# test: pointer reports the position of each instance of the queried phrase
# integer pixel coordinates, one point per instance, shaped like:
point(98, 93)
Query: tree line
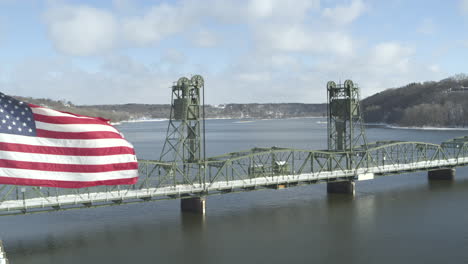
point(439, 104)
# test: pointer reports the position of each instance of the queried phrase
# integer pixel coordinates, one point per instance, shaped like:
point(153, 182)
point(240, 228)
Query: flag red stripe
point(66, 151)
point(67, 120)
point(65, 184)
point(76, 135)
point(78, 168)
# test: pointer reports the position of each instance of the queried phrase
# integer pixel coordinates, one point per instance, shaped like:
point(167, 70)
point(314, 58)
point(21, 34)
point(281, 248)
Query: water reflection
point(334, 229)
point(441, 185)
point(193, 222)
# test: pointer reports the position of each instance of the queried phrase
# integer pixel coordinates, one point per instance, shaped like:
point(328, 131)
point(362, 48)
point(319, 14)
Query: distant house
point(460, 89)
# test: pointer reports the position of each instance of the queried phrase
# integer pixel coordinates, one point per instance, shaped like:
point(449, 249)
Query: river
point(393, 219)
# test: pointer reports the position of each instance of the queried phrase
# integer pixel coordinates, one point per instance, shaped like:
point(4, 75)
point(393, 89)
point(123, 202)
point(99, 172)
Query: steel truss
point(254, 169)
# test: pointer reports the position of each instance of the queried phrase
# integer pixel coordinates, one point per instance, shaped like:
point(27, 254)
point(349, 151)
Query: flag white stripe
point(68, 143)
point(67, 176)
point(50, 112)
point(75, 127)
point(63, 159)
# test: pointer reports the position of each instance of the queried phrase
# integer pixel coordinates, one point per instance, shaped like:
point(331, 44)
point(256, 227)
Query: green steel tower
point(184, 141)
point(345, 124)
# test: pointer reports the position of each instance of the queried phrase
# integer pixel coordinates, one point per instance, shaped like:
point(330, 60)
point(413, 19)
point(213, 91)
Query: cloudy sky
point(121, 51)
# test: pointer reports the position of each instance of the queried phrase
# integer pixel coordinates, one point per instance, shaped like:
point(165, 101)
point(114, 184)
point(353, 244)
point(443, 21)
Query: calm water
point(394, 219)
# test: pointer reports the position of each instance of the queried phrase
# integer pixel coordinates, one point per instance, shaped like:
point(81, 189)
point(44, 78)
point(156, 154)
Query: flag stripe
point(75, 127)
point(90, 143)
point(76, 135)
point(66, 151)
point(66, 176)
point(67, 120)
point(43, 166)
point(61, 159)
point(65, 184)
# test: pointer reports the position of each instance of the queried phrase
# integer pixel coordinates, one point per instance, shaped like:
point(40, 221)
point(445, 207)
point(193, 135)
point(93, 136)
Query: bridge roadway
point(133, 194)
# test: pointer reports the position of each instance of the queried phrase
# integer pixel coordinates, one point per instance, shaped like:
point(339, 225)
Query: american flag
point(44, 147)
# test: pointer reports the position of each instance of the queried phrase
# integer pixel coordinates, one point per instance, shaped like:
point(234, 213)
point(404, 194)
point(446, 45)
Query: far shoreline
point(214, 118)
point(393, 126)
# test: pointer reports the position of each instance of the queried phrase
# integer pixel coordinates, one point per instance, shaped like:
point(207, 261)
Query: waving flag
point(45, 147)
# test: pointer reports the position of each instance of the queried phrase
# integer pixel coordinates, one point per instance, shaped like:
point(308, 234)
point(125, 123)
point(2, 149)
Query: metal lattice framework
point(183, 144)
point(182, 172)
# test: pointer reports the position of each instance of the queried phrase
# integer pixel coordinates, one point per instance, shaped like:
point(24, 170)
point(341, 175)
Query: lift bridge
point(184, 172)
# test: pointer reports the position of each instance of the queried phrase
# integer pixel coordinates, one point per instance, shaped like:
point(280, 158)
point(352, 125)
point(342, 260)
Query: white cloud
point(434, 68)
point(173, 57)
point(255, 77)
point(159, 22)
point(81, 30)
point(124, 5)
point(298, 38)
point(280, 9)
point(285, 38)
point(261, 8)
point(205, 39)
point(391, 54)
point(283, 61)
point(345, 14)
point(84, 30)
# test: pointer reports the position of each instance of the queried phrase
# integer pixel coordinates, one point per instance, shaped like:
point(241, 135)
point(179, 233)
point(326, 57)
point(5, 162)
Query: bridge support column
point(442, 174)
point(3, 258)
point(346, 187)
point(194, 205)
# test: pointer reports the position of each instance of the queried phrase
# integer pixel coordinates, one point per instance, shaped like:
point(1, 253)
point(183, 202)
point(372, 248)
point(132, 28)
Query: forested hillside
point(442, 104)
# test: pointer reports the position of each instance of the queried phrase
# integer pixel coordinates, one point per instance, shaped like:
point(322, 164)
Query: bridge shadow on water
point(295, 225)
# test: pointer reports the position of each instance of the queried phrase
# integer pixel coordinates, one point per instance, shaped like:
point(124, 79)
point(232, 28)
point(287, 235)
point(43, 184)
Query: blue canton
point(16, 117)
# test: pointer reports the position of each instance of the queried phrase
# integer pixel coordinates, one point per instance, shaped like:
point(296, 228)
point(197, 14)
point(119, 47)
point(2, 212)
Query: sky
point(248, 51)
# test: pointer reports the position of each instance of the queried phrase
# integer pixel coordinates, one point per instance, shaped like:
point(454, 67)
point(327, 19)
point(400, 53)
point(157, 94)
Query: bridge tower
point(183, 144)
point(345, 128)
point(184, 147)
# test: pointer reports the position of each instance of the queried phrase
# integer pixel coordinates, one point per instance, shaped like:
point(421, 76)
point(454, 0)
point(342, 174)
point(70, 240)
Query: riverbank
point(391, 126)
point(215, 118)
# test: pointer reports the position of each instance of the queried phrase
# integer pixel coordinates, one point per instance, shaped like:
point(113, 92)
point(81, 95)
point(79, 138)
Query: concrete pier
point(442, 174)
point(345, 187)
point(3, 258)
point(194, 205)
